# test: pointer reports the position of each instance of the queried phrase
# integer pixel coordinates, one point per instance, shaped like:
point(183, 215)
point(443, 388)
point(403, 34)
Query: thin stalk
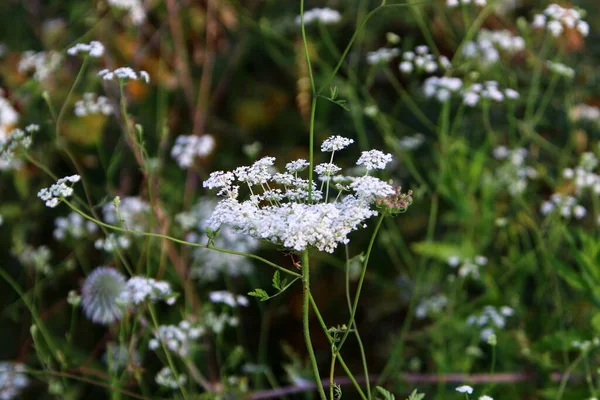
point(305, 323)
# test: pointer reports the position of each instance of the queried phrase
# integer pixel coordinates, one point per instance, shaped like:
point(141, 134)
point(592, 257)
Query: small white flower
point(94, 49)
point(297, 165)
point(464, 389)
point(485, 397)
point(335, 143)
point(325, 16)
point(374, 159)
point(124, 74)
point(187, 148)
point(54, 193)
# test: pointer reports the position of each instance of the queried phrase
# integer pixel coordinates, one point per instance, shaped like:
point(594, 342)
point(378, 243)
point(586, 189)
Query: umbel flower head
point(99, 295)
point(293, 212)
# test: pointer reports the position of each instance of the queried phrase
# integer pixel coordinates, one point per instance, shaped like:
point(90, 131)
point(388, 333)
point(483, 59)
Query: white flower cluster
point(36, 258)
point(14, 140)
point(557, 19)
point(187, 148)
point(12, 380)
point(112, 242)
point(325, 16)
point(490, 319)
point(228, 298)
point(8, 116)
point(421, 60)
point(513, 173)
point(329, 145)
point(581, 112)
point(94, 49)
point(411, 142)
point(208, 265)
point(382, 55)
point(582, 176)
point(134, 7)
point(92, 104)
point(73, 226)
point(468, 267)
point(124, 74)
point(139, 289)
point(566, 205)
point(442, 88)
point(431, 306)
point(133, 213)
point(282, 215)
point(177, 338)
point(487, 90)
point(43, 64)
point(218, 322)
point(585, 345)
point(486, 49)
point(560, 69)
point(118, 357)
point(60, 189)
point(166, 378)
point(456, 3)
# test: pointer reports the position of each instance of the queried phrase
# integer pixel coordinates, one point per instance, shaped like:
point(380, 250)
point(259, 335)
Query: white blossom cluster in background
point(92, 104)
point(560, 69)
point(582, 112)
point(228, 298)
point(488, 90)
point(431, 306)
point(382, 55)
point(12, 380)
point(411, 142)
point(94, 49)
point(124, 74)
point(557, 19)
point(37, 258)
point(14, 140)
point(325, 16)
point(218, 322)
point(187, 148)
point(113, 242)
point(489, 320)
point(280, 212)
point(73, 226)
point(177, 338)
point(487, 48)
point(61, 189)
point(118, 357)
point(582, 176)
point(567, 206)
point(585, 345)
point(456, 3)
point(139, 289)
point(421, 60)
point(468, 267)
point(208, 265)
point(513, 174)
point(136, 11)
point(442, 88)
point(42, 64)
point(166, 378)
point(133, 213)
point(8, 116)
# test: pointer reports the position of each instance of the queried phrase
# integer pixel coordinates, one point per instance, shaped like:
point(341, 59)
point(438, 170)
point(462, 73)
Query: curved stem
point(305, 45)
point(360, 283)
point(180, 241)
point(305, 323)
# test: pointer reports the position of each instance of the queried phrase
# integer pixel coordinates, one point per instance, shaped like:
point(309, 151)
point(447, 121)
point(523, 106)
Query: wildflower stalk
point(535, 80)
point(360, 283)
point(63, 109)
point(339, 356)
point(305, 323)
point(180, 241)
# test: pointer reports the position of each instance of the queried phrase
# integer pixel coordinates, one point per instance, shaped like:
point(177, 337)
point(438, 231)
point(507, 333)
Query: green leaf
point(277, 280)
point(416, 395)
point(386, 395)
point(260, 293)
point(333, 91)
point(343, 104)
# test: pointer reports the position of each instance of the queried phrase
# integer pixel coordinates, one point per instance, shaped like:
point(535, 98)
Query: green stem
point(180, 241)
point(360, 283)
point(63, 109)
point(305, 323)
point(305, 45)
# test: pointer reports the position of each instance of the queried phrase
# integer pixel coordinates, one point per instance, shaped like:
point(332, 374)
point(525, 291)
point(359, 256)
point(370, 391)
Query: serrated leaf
point(260, 293)
point(333, 91)
point(386, 395)
point(416, 395)
point(277, 280)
